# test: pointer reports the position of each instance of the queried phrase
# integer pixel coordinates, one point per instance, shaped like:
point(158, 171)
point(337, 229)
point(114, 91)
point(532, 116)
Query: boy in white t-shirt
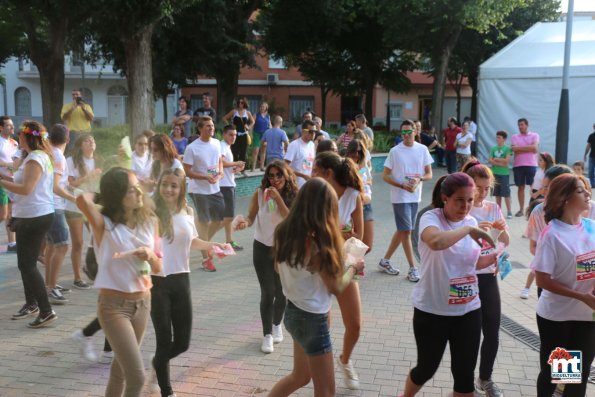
point(301, 152)
point(8, 148)
point(228, 183)
point(407, 165)
point(204, 166)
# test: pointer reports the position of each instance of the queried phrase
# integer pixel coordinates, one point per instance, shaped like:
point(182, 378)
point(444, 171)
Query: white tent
point(524, 79)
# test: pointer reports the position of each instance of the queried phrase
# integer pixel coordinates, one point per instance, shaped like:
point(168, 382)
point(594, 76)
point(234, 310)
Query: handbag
point(249, 138)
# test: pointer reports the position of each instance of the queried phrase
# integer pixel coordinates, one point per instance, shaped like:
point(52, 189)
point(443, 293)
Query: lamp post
point(562, 128)
point(388, 110)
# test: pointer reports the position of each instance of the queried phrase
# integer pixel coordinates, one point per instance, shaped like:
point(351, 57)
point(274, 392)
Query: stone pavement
point(224, 358)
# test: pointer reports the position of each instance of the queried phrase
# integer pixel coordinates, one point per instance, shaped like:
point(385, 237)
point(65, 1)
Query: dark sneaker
point(235, 246)
point(25, 311)
point(80, 284)
point(62, 289)
point(56, 297)
point(43, 320)
point(11, 248)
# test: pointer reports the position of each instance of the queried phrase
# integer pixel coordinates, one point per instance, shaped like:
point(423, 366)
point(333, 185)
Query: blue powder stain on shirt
point(588, 227)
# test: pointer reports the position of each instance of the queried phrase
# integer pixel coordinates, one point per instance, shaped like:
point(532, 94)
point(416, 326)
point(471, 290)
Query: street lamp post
point(563, 126)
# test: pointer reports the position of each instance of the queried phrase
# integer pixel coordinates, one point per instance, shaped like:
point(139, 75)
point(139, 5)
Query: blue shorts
point(309, 330)
point(58, 234)
point(368, 214)
point(524, 175)
point(209, 207)
point(502, 186)
point(229, 198)
point(405, 214)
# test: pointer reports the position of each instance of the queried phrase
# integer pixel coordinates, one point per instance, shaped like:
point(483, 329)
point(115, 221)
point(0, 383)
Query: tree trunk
point(227, 89)
point(440, 78)
point(139, 75)
point(368, 109)
point(472, 78)
point(323, 95)
point(164, 102)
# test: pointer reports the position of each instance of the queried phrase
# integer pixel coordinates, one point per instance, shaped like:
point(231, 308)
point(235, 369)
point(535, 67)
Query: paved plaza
point(224, 358)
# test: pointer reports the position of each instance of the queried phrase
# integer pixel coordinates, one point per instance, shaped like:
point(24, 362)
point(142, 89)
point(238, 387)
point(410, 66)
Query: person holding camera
point(77, 116)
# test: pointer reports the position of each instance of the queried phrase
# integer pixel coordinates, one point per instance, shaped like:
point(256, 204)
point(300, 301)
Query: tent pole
point(562, 128)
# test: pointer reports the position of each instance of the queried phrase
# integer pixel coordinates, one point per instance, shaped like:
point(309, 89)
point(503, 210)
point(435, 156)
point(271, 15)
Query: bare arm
point(388, 178)
point(439, 240)
point(545, 281)
point(85, 203)
point(87, 111)
point(587, 150)
point(357, 217)
point(227, 118)
point(31, 176)
point(59, 191)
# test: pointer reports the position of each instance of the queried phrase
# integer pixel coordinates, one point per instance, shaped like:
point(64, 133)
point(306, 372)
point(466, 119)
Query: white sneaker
point(525, 293)
point(349, 374)
point(277, 333)
point(85, 345)
point(385, 266)
point(413, 275)
point(105, 357)
point(267, 344)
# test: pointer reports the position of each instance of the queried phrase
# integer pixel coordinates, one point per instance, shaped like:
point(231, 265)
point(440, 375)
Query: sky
point(579, 5)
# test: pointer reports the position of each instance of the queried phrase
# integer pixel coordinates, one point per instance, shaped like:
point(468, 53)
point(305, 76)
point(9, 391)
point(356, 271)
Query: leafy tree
point(122, 31)
point(344, 36)
point(436, 26)
point(474, 48)
point(44, 27)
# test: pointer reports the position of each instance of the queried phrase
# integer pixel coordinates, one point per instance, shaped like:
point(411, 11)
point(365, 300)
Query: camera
point(80, 100)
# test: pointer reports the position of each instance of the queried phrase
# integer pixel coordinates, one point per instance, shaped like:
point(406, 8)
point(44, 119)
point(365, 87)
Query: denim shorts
point(58, 234)
point(405, 214)
point(368, 214)
point(309, 330)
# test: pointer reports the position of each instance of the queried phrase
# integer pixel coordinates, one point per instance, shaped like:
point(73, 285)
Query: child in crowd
point(228, 183)
point(499, 159)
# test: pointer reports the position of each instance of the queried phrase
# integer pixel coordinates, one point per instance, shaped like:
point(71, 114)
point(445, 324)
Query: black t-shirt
point(591, 141)
point(206, 112)
point(427, 139)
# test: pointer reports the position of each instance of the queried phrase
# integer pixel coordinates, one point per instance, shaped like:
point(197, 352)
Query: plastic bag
point(354, 250)
point(504, 265)
point(222, 253)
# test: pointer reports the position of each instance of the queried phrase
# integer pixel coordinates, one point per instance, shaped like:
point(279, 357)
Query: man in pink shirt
point(525, 145)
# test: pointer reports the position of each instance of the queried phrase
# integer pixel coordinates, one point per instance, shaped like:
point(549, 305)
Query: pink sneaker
point(208, 266)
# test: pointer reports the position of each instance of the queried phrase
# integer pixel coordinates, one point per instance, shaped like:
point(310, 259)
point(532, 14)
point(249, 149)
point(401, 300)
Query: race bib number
point(462, 290)
point(486, 248)
point(585, 266)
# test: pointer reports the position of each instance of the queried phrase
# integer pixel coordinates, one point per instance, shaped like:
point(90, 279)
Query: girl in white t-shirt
point(165, 157)
point(269, 206)
point(31, 192)
point(171, 304)
point(545, 161)
point(308, 257)
point(344, 177)
point(463, 144)
point(358, 152)
point(124, 234)
point(564, 268)
point(142, 161)
point(488, 216)
point(446, 296)
point(84, 172)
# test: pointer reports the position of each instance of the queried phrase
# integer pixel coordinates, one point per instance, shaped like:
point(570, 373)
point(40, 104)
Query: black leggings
point(238, 149)
point(490, 323)
point(432, 332)
point(30, 232)
point(272, 300)
point(570, 335)
point(171, 312)
point(91, 329)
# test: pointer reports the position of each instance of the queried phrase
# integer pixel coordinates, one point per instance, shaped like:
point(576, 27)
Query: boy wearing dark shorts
point(228, 183)
point(499, 159)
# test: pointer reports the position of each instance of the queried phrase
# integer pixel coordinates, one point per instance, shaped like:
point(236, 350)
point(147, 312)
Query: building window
point(22, 102)
point(254, 103)
point(298, 105)
point(117, 90)
point(276, 63)
point(396, 111)
point(87, 95)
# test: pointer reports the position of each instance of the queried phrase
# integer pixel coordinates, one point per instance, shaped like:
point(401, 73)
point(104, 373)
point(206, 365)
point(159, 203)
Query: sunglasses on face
point(275, 175)
point(406, 132)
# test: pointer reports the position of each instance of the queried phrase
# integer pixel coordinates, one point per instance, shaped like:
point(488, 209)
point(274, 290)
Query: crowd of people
point(176, 192)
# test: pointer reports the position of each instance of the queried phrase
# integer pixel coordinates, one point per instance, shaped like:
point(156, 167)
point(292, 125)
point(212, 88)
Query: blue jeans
point(451, 161)
point(591, 171)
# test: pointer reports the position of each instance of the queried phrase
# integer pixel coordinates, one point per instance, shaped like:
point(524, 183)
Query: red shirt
point(450, 138)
